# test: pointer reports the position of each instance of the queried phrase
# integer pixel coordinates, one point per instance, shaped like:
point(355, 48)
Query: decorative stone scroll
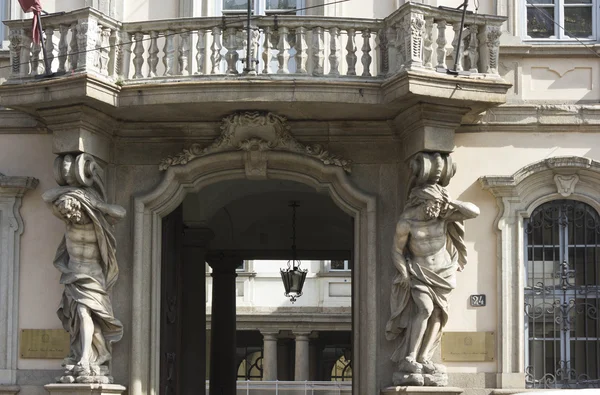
point(86, 257)
point(428, 249)
point(255, 131)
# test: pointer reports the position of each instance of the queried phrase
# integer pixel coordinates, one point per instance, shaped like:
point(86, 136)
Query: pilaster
point(12, 190)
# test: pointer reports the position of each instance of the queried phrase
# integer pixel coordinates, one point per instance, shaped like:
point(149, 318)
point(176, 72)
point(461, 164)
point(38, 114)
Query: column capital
point(302, 336)
point(197, 237)
point(270, 335)
point(222, 262)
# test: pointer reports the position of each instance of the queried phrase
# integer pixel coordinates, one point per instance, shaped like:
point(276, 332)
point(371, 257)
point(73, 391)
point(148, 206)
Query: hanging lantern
point(293, 277)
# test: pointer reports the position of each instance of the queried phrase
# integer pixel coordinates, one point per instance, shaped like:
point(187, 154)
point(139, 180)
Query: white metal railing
point(415, 36)
point(292, 387)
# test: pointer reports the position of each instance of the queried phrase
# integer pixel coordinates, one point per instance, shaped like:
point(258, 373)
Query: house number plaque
point(477, 300)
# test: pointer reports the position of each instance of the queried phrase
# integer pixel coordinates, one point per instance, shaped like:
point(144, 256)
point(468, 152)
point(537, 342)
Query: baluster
point(441, 44)
point(318, 51)
point(284, 51)
point(402, 37)
point(26, 43)
point(124, 55)
point(200, 47)
point(428, 43)
point(231, 57)
point(253, 58)
point(184, 53)
point(169, 53)
point(138, 58)
point(215, 50)
point(153, 54)
point(366, 56)
point(49, 49)
point(35, 58)
point(334, 52)
point(472, 48)
point(351, 57)
point(267, 47)
point(103, 51)
point(73, 48)
point(63, 48)
point(301, 51)
point(457, 57)
point(113, 53)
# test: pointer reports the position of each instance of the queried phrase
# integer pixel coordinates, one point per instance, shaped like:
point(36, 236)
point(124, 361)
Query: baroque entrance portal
point(255, 147)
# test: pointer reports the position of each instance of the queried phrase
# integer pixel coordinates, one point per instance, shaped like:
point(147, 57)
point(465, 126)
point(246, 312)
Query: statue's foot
point(409, 365)
point(82, 369)
point(432, 368)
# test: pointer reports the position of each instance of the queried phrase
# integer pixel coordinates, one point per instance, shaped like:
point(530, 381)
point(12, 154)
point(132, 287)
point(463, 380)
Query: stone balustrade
point(414, 37)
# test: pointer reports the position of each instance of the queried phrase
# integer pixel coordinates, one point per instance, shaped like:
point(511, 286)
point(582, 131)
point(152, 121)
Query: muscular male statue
point(427, 251)
point(86, 259)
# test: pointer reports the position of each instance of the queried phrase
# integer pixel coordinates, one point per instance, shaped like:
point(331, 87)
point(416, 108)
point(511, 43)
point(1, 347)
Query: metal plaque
point(477, 300)
point(44, 343)
point(468, 346)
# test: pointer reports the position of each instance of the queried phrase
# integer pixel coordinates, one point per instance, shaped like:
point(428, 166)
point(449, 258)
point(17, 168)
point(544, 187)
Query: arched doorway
point(204, 171)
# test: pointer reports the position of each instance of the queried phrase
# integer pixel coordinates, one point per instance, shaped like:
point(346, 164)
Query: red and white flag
point(35, 7)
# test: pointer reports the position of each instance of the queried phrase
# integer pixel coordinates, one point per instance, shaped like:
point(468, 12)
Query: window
point(340, 265)
point(250, 368)
point(259, 7)
point(578, 17)
point(562, 294)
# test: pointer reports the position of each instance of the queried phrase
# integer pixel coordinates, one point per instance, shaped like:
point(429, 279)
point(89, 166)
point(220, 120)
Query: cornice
point(16, 186)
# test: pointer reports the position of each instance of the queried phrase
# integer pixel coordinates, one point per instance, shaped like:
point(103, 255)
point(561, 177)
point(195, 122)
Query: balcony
point(194, 68)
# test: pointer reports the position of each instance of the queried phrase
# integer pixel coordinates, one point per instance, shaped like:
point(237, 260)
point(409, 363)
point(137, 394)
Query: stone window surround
point(205, 170)
point(12, 190)
point(517, 196)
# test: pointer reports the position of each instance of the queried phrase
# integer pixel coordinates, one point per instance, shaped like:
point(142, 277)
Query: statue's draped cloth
point(91, 291)
point(437, 285)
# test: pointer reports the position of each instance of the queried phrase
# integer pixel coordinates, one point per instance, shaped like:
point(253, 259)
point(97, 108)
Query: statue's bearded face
point(432, 208)
point(70, 209)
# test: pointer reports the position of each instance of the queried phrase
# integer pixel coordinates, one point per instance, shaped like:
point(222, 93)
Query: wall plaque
point(477, 300)
point(468, 346)
point(44, 343)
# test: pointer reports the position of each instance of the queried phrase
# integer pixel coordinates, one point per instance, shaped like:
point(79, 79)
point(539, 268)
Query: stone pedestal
point(422, 391)
point(9, 389)
point(85, 389)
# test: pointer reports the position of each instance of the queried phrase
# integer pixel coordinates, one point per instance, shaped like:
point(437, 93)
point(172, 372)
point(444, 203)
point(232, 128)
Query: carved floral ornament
point(255, 131)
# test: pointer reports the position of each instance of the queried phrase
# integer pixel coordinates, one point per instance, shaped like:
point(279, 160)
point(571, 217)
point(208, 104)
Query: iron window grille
point(562, 293)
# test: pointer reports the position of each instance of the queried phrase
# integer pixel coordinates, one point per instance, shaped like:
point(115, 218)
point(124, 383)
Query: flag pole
point(47, 67)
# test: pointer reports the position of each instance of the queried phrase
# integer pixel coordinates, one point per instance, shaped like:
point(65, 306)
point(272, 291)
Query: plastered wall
point(39, 289)
point(480, 154)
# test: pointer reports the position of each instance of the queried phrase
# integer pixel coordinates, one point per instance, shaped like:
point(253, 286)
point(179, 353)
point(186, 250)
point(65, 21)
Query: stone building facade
point(205, 154)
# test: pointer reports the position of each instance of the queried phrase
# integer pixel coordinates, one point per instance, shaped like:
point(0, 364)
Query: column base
point(422, 390)
point(85, 389)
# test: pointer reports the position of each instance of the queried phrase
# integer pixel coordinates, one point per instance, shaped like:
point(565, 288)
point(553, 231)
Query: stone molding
point(229, 165)
point(9, 389)
point(255, 132)
point(517, 196)
point(12, 190)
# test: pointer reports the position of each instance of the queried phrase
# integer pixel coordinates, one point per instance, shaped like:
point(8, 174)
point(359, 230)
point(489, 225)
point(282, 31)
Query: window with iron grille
point(251, 368)
point(562, 293)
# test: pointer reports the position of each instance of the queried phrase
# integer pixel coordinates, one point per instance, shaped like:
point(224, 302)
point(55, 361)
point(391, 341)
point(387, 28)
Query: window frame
point(560, 35)
point(260, 8)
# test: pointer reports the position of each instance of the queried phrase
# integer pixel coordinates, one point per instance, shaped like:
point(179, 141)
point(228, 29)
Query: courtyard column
point(223, 369)
point(270, 356)
point(193, 310)
point(302, 357)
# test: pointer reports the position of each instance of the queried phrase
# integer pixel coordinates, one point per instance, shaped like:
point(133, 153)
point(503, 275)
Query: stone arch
point(517, 196)
point(204, 170)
